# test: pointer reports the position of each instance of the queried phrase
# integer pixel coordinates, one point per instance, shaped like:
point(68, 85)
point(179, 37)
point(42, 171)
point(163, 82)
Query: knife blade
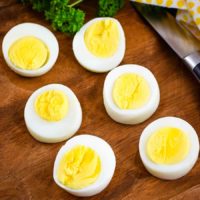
point(184, 44)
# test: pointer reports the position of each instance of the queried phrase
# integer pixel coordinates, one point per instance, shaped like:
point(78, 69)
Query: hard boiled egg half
point(99, 46)
point(84, 166)
point(169, 148)
point(53, 113)
point(30, 49)
point(131, 94)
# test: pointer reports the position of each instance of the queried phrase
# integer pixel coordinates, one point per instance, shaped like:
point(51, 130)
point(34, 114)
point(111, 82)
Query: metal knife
point(186, 46)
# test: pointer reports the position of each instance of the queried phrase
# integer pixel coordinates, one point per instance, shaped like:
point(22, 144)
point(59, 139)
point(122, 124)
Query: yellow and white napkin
point(188, 12)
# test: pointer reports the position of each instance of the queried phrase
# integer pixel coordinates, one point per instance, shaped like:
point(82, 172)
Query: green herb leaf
point(109, 8)
point(65, 19)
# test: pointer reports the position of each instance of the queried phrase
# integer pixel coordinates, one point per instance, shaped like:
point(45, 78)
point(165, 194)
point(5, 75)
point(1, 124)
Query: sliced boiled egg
point(53, 113)
point(30, 49)
point(84, 166)
point(99, 46)
point(169, 148)
point(131, 94)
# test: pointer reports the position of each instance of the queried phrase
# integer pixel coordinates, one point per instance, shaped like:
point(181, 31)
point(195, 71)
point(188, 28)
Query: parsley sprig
point(66, 17)
point(109, 8)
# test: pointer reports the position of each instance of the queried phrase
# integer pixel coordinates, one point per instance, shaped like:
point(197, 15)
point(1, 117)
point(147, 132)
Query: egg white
point(130, 116)
point(92, 62)
point(173, 171)
point(108, 163)
point(38, 31)
point(51, 132)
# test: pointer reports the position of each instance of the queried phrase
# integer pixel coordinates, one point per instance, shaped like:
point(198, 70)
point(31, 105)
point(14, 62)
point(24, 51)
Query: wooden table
point(26, 165)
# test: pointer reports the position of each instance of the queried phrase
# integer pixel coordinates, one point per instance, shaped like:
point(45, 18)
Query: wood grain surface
point(26, 165)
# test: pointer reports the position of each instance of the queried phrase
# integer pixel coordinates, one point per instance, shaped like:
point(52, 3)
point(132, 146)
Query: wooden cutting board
point(26, 165)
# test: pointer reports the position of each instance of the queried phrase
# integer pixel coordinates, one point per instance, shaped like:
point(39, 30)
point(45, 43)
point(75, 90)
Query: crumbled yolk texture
point(168, 145)
point(130, 91)
point(52, 105)
point(79, 167)
point(102, 38)
point(28, 53)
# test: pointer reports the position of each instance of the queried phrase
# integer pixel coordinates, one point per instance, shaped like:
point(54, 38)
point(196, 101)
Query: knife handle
point(193, 63)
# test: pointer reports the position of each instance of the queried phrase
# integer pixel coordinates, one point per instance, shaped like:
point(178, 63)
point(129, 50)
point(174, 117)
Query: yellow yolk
point(130, 91)
point(79, 167)
point(28, 53)
point(52, 105)
point(102, 38)
point(168, 146)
